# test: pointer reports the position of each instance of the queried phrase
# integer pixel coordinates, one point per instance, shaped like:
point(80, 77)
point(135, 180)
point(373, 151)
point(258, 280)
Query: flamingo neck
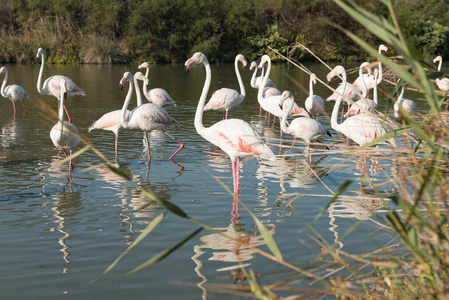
point(61, 109)
point(310, 88)
point(375, 94)
point(365, 90)
point(2, 91)
point(145, 84)
point(440, 64)
point(138, 94)
point(401, 95)
point(380, 75)
point(264, 80)
point(129, 95)
point(253, 78)
point(239, 78)
point(199, 110)
point(284, 126)
point(334, 122)
point(41, 72)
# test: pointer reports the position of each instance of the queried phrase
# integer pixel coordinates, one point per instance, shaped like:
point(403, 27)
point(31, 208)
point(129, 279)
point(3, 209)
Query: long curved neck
point(41, 72)
point(440, 64)
point(380, 75)
point(129, 95)
point(264, 80)
point(61, 110)
point(199, 109)
point(365, 91)
point(284, 126)
point(310, 88)
point(2, 91)
point(253, 78)
point(239, 78)
point(145, 85)
point(375, 94)
point(138, 94)
point(334, 122)
point(401, 95)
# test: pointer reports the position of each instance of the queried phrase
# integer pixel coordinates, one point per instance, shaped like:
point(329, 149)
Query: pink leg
point(71, 166)
point(237, 177)
point(116, 148)
point(68, 116)
point(179, 142)
point(226, 114)
point(148, 144)
point(23, 104)
point(14, 106)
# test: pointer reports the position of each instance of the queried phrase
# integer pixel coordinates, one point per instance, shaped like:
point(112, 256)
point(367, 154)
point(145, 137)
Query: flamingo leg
point(23, 104)
point(116, 148)
point(178, 141)
point(68, 116)
point(237, 177)
point(14, 106)
point(226, 114)
point(71, 166)
point(148, 144)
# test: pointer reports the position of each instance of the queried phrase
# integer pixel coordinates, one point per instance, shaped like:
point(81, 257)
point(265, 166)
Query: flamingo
point(64, 135)
point(234, 136)
point(13, 92)
point(51, 85)
point(314, 104)
point(406, 104)
point(224, 98)
point(156, 95)
point(442, 83)
point(256, 81)
point(367, 82)
point(362, 128)
point(271, 104)
point(365, 105)
point(111, 120)
point(146, 117)
point(304, 128)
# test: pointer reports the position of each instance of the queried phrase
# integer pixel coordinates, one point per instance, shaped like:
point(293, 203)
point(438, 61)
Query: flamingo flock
point(235, 137)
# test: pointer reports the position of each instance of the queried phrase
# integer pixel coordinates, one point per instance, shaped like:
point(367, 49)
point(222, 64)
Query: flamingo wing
point(223, 99)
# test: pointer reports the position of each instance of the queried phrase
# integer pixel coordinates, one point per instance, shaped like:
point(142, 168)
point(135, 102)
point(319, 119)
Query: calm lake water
point(58, 236)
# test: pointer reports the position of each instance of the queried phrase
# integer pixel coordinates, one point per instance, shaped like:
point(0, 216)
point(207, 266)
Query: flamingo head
point(2, 70)
point(264, 60)
point(127, 76)
point(313, 78)
point(366, 66)
point(438, 58)
point(140, 76)
point(241, 58)
point(253, 65)
point(285, 95)
point(40, 52)
point(196, 59)
point(338, 70)
point(143, 65)
point(382, 47)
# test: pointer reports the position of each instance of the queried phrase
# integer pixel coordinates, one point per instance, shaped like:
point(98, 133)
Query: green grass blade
point(161, 255)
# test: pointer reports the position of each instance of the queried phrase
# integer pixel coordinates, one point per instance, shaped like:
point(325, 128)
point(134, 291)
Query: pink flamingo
point(365, 105)
point(304, 128)
point(145, 117)
point(256, 81)
point(64, 135)
point(406, 104)
point(13, 92)
point(314, 104)
point(271, 104)
point(111, 120)
point(156, 95)
point(442, 83)
point(234, 136)
point(362, 128)
point(366, 82)
point(224, 99)
point(51, 85)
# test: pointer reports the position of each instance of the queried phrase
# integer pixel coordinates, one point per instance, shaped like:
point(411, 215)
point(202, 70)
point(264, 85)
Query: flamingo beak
point(121, 86)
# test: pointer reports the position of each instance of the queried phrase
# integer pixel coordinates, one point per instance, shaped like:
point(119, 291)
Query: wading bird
point(13, 92)
point(314, 104)
point(156, 95)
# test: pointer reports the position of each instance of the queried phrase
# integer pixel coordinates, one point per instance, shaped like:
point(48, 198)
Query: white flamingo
point(365, 105)
point(146, 117)
point(51, 85)
point(234, 136)
point(256, 81)
point(361, 128)
point(367, 83)
point(271, 104)
point(225, 98)
point(13, 92)
point(442, 83)
point(306, 129)
point(64, 135)
point(406, 104)
point(111, 120)
point(314, 104)
point(156, 95)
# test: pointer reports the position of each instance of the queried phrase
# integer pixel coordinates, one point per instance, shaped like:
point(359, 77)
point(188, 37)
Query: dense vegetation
point(119, 31)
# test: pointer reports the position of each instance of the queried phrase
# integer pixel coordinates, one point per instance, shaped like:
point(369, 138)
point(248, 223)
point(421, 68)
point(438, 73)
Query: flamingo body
point(157, 96)
point(442, 83)
point(257, 81)
point(13, 92)
point(234, 136)
point(407, 104)
point(314, 104)
point(224, 99)
point(366, 82)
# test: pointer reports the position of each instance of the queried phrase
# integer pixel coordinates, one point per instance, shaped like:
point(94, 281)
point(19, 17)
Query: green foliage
point(269, 38)
point(431, 38)
point(60, 58)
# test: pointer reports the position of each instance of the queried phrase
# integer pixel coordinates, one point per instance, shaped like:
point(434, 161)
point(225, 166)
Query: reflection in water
point(227, 247)
point(66, 202)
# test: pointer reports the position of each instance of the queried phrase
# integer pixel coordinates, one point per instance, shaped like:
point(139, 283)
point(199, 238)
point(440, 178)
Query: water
point(57, 236)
